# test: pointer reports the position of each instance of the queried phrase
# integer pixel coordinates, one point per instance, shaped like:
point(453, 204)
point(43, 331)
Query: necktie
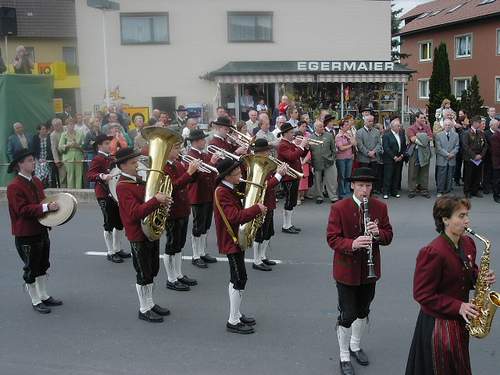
point(448, 136)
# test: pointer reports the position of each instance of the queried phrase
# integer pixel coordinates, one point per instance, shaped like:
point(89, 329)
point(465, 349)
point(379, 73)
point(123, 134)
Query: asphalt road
point(97, 330)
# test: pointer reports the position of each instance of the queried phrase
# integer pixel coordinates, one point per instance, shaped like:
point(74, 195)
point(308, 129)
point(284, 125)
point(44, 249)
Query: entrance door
point(257, 91)
point(164, 104)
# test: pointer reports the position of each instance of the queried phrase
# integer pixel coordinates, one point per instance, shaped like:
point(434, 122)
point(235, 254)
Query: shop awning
point(310, 71)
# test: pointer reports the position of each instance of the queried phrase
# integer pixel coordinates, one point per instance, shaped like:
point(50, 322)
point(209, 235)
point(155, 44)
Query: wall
point(319, 29)
point(485, 63)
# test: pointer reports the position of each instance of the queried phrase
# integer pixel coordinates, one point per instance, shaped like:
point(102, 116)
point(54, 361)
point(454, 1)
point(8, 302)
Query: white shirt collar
point(228, 184)
point(195, 149)
point(220, 137)
point(356, 200)
point(170, 162)
point(29, 178)
point(129, 176)
point(103, 153)
point(396, 134)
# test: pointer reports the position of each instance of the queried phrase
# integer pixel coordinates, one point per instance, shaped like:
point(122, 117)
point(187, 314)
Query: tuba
point(161, 140)
point(258, 167)
point(485, 300)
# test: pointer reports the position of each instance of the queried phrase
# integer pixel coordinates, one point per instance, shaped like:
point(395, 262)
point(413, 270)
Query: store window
point(423, 89)
point(69, 57)
point(250, 26)
point(497, 90)
point(461, 84)
point(463, 46)
point(425, 51)
point(144, 28)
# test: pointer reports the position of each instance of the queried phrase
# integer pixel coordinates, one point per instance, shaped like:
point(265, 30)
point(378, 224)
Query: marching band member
point(266, 231)
point(145, 254)
point(445, 272)
point(229, 214)
point(345, 235)
point(178, 219)
point(222, 127)
point(201, 193)
point(290, 153)
point(24, 195)
point(99, 173)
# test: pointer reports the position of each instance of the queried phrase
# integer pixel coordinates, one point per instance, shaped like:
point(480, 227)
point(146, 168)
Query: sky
point(408, 4)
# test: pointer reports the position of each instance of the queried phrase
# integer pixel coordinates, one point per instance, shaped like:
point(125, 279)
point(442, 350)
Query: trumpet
point(204, 167)
point(291, 172)
point(239, 138)
point(316, 142)
point(221, 153)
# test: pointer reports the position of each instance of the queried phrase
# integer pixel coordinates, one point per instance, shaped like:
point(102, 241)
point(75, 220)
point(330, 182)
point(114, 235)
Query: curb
point(81, 195)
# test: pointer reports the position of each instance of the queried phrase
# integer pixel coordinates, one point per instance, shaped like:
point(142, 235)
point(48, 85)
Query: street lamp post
point(104, 5)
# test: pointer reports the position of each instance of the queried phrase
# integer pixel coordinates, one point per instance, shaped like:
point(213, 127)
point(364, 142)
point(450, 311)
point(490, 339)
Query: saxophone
point(258, 167)
point(161, 140)
point(485, 300)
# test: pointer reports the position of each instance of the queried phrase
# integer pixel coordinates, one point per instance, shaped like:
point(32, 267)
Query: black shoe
point(249, 321)
point(346, 368)
point(290, 230)
point(360, 356)
point(199, 263)
point(268, 262)
point(240, 328)
point(115, 258)
point(319, 201)
point(187, 281)
point(497, 199)
point(479, 194)
point(486, 191)
point(150, 316)
point(426, 194)
point(411, 195)
point(51, 301)
point(296, 228)
point(178, 286)
point(160, 310)
point(41, 308)
point(208, 258)
point(123, 254)
point(261, 267)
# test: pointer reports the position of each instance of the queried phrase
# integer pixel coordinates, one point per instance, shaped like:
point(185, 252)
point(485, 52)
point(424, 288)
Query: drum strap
point(224, 219)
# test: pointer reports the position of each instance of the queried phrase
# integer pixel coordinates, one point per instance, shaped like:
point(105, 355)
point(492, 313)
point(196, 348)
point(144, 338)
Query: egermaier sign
point(345, 66)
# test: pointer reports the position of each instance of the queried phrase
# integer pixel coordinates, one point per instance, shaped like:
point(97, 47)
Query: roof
point(442, 13)
point(44, 19)
point(290, 67)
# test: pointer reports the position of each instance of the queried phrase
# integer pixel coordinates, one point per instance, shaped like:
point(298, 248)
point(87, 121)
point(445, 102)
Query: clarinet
point(366, 220)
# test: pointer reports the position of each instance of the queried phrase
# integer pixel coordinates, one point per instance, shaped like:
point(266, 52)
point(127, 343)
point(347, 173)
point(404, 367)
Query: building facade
point(163, 54)
point(471, 32)
point(48, 32)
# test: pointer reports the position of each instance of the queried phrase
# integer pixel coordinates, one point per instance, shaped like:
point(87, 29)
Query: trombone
point(221, 153)
point(291, 172)
point(204, 167)
point(316, 142)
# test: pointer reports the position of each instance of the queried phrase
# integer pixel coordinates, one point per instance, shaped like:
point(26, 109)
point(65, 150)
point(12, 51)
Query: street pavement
point(97, 331)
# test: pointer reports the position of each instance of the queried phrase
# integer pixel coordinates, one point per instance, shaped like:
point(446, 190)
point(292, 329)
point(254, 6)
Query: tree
point(396, 55)
point(439, 83)
point(471, 100)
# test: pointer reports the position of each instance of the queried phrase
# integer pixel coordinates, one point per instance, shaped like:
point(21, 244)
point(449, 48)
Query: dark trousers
point(202, 218)
point(291, 190)
point(146, 259)
point(377, 171)
point(458, 167)
point(34, 252)
point(392, 177)
point(175, 233)
point(237, 270)
point(472, 177)
point(354, 302)
point(111, 214)
point(266, 231)
point(496, 183)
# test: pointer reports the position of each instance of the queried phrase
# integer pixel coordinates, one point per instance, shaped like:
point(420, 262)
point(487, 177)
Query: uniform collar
point(128, 176)
point(356, 200)
point(220, 137)
point(228, 184)
point(195, 149)
point(103, 153)
point(29, 178)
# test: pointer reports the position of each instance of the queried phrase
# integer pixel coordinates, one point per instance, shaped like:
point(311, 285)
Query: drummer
point(25, 195)
point(99, 172)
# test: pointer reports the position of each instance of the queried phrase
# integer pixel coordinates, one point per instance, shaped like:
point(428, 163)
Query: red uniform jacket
point(230, 204)
point(290, 153)
point(201, 190)
point(441, 282)
point(133, 208)
point(270, 197)
point(229, 147)
point(345, 224)
point(100, 164)
point(24, 199)
point(180, 178)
